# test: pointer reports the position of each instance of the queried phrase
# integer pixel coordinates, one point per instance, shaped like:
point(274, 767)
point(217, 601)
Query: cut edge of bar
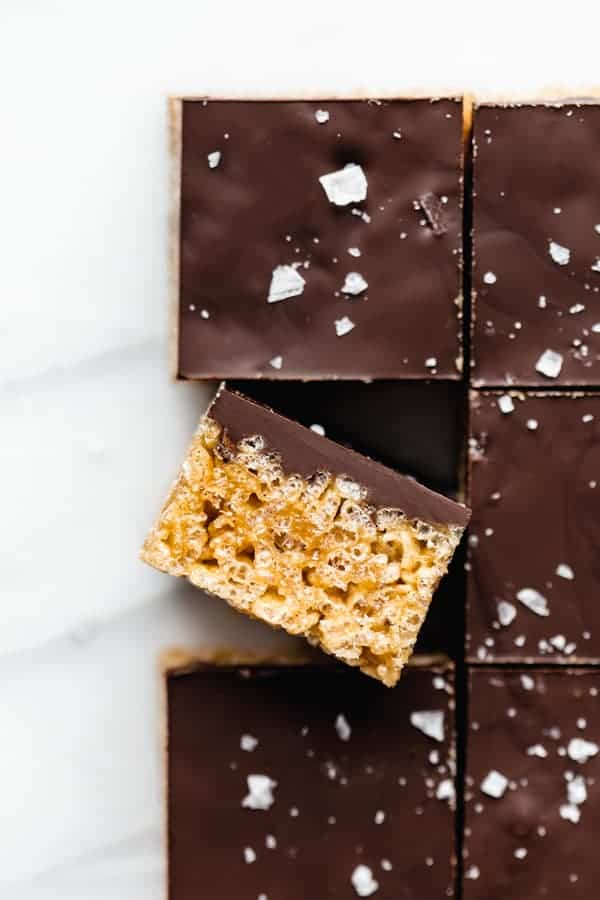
point(175, 138)
point(175, 661)
point(314, 96)
point(551, 95)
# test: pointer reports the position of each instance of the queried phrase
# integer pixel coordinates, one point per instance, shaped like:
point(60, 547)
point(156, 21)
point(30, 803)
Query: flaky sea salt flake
point(445, 790)
point(537, 750)
point(570, 813)
point(342, 727)
point(494, 784)
point(489, 278)
point(347, 185)
point(363, 882)
point(581, 750)
point(214, 159)
point(322, 116)
point(561, 255)
point(286, 282)
point(505, 404)
point(344, 326)
point(276, 362)
point(577, 791)
point(354, 284)
point(506, 612)
point(260, 792)
point(534, 601)
point(248, 742)
point(549, 364)
point(430, 722)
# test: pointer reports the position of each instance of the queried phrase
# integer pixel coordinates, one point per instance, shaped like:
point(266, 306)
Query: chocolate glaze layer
point(343, 798)
point(524, 844)
point(415, 427)
point(535, 494)
point(304, 452)
point(262, 206)
point(536, 180)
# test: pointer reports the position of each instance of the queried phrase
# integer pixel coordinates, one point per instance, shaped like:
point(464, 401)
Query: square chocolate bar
point(533, 785)
point(536, 243)
point(306, 535)
point(534, 545)
point(318, 240)
point(295, 781)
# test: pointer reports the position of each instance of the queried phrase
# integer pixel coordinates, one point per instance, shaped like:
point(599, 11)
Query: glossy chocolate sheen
point(539, 838)
point(536, 181)
point(343, 798)
point(305, 452)
point(263, 206)
point(535, 494)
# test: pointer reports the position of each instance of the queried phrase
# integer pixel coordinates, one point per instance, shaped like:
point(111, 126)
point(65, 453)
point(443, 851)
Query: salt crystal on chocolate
point(430, 722)
point(354, 284)
point(344, 326)
point(534, 601)
point(260, 792)
point(561, 255)
point(363, 882)
point(347, 185)
point(549, 364)
point(286, 282)
point(342, 728)
point(494, 784)
point(506, 612)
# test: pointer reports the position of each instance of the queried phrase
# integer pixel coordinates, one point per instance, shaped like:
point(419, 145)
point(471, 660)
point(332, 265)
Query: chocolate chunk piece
point(317, 246)
point(306, 535)
point(290, 781)
point(533, 784)
point(536, 241)
point(534, 543)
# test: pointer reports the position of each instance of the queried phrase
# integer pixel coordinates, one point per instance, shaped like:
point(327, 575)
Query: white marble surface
point(92, 431)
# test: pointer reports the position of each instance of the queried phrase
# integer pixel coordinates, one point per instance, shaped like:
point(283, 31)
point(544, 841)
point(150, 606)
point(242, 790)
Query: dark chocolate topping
point(350, 792)
point(536, 237)
point(415, 427)
point(304, 452)
point(535, 495)
point(263, 206)
point(535, 835)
